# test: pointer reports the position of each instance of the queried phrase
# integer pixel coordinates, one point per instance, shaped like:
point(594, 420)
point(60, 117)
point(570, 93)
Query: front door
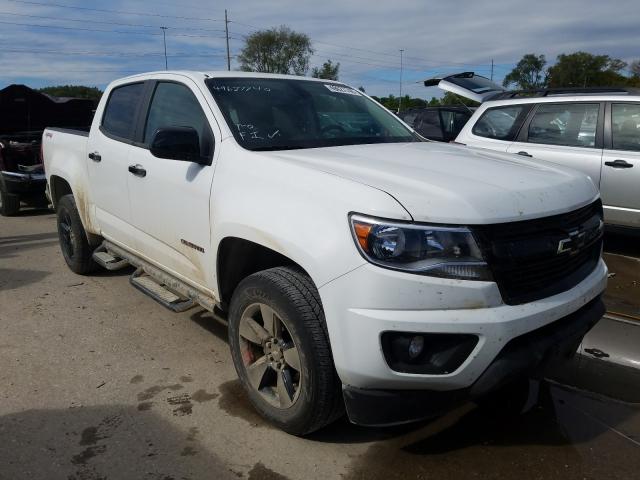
point(620, 185)
point(170, 199)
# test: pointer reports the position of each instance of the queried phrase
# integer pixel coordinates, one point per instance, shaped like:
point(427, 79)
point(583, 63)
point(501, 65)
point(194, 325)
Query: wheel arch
point(59, 187)
point(237, 258)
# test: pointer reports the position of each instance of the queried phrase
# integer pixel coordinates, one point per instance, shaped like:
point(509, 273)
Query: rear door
point(566, 133)
point(620, 184)
point(468, 85)
point(170, 200)
point(108, 149)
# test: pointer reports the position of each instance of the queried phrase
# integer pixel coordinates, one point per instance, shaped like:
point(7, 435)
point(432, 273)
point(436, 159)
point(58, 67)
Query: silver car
point(596, 131)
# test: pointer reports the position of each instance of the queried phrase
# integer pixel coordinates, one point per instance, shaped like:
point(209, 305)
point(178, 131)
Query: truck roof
point(200, 75)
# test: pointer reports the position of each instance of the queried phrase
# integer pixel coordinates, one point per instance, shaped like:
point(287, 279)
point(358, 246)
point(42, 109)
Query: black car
point(437, 123)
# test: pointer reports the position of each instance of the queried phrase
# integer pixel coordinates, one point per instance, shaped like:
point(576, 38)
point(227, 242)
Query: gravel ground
point(100, 382)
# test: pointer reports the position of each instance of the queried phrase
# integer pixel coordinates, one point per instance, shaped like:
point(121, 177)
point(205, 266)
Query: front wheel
point(281, 351)
point(75, 247)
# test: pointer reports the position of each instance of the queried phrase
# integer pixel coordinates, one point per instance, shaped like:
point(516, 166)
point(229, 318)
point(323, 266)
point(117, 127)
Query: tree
point(361, 88)
point(582, 69)
point(277, 50)
point(635, 68)
point(328, 71)
point(529, 73)
point(76, 91)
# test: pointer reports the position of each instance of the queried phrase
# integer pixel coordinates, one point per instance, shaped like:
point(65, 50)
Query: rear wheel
point(281, 351)
point(9, 203)
point(75, 248)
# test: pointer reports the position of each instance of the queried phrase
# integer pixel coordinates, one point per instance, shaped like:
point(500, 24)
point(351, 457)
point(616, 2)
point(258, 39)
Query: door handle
point(525, 154)
point(95, 156)
point(619, 164)
point(138, 170)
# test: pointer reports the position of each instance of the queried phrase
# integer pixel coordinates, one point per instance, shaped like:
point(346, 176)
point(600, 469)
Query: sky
point(91, 42)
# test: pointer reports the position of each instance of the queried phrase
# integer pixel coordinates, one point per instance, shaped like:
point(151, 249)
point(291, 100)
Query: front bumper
point(19, 183)
point(369, 300)
point(532, 354)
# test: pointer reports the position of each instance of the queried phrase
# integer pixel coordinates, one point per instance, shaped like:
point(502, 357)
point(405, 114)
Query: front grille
point(535, 259)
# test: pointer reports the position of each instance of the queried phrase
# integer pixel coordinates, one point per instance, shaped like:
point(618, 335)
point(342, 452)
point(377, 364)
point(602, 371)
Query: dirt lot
point(100, 382)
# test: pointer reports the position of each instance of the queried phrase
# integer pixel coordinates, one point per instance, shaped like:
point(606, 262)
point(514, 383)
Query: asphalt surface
point(98, 381)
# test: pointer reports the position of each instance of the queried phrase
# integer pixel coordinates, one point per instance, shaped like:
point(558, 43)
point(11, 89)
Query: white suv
point(596, 131)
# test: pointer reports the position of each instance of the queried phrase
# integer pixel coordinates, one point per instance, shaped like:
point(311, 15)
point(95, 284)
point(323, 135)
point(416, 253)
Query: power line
point(102, 22)
point(125, 32)
point(103, 10)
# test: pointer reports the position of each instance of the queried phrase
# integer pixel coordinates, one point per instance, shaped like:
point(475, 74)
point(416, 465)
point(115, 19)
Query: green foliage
point(328, 71)
point(529, 73)
point(634, 67)
point(582, 69)
point(392, 102)
point(277, 50)
point(76, 91)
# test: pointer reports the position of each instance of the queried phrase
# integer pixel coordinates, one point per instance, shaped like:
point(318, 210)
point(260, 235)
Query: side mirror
point(177, 143)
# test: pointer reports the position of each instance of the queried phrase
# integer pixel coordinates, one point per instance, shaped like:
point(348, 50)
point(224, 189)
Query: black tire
point(76, 250)
point(294, 297)
point(507, 401)
point(9, 203)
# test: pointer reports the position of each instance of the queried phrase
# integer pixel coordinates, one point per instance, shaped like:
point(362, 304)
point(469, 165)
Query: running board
point(165, 281)
point(107, 260)
point(159, 292)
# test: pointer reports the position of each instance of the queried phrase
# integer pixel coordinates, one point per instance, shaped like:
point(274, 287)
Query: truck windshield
point(284, 114)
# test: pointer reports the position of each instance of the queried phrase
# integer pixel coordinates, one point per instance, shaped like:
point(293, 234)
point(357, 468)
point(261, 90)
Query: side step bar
point(163, 287)
point(108, 261)
point(160, 293)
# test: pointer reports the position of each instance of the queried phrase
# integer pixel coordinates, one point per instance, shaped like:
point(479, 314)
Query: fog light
point(426, 353)
point(416, 346)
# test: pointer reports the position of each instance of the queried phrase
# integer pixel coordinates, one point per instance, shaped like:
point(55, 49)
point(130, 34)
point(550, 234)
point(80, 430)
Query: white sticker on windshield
point(340, 89)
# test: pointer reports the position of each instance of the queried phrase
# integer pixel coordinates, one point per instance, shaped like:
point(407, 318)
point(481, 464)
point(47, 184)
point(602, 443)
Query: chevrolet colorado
point(357, 265)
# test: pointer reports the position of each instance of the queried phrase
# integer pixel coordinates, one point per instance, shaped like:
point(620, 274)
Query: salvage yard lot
point(99, 381)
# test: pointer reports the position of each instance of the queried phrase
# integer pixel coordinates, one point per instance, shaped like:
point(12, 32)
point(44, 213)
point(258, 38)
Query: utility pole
point(492, 69)
point(400, 99)
point(164, 39)
point(226, 28)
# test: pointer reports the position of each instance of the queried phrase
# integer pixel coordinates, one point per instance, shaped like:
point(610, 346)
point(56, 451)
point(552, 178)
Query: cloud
point(364, 36)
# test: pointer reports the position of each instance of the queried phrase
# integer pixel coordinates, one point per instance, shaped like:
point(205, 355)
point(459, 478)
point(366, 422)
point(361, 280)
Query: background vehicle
point(442, 124)
point(24, 114)
point(357, 265)
point(596, 131)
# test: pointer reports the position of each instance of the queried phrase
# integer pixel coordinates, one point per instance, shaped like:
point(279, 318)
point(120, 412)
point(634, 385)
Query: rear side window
point(120, 113)
point(625, 126)
point(428, 125)
point(567, 124)
point(453, 122)
point(501, 123)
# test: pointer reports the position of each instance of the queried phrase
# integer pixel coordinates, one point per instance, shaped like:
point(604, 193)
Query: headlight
point(449, 252)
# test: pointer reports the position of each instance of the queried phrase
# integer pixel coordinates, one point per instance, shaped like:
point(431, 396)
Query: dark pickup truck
point(24, 114)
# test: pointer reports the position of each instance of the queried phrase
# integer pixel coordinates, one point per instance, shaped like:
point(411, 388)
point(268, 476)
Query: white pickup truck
point(357, 265)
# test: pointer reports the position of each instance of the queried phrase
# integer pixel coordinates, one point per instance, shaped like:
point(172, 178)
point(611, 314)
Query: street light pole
point(226, 28)
point(164, 39)
point(400, 99)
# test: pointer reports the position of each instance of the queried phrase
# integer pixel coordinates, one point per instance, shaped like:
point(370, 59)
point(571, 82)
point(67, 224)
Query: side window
point(409, 117)
point(428, 124)
point(501, 123)
point(625, 126)
point(174, 105)
point(453, 121)
point(568, 124)
point(120, 113)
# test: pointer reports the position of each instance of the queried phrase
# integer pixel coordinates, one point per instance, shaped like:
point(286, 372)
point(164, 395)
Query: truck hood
point(443, 183)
